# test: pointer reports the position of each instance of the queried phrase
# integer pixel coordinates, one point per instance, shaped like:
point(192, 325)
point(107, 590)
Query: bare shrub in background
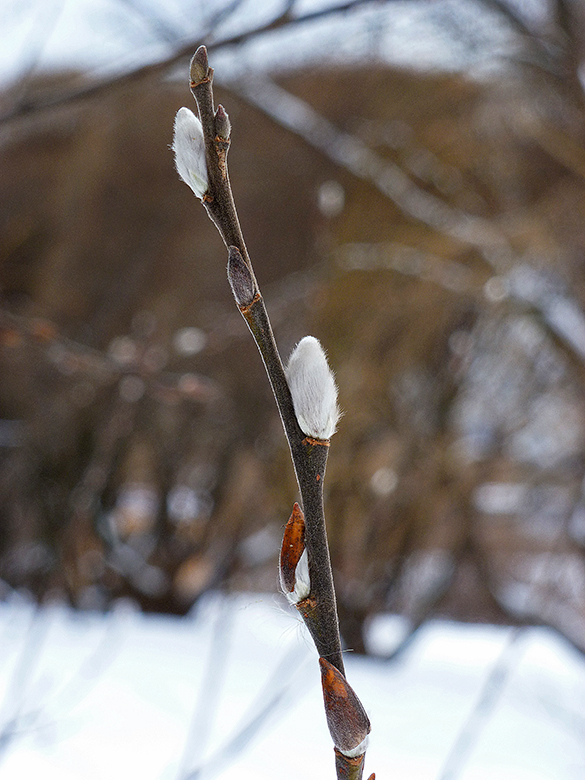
point(434, 244)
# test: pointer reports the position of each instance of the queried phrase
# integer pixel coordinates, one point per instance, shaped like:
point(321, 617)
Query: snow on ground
point(234, 692)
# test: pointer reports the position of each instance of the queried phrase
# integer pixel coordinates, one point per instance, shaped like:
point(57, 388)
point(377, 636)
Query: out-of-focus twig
point(490, 693)
point(351, 153)
point(156, 69)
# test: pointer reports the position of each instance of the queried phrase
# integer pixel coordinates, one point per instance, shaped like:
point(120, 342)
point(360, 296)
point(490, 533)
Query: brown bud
point(223, 126)
point(199, 67)
point(347, 720)
point(240, 278)
point(293, 546)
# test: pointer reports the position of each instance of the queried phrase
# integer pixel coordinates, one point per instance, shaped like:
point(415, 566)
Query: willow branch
point(306, 397)
point(309, 455)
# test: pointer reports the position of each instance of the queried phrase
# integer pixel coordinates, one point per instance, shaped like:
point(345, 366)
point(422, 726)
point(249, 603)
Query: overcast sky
point(112, 35)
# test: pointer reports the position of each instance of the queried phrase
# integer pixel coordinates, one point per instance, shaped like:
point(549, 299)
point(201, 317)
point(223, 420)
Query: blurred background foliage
point(427, 226)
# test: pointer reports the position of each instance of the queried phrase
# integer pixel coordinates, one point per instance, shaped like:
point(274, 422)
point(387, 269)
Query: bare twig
point(152, 70)
point(14, 702)
point(213, 680)
point(73, 691)
point(279, 689)
point(158, 25)
point(490, 693)
point(351, 153)
point(309, 455)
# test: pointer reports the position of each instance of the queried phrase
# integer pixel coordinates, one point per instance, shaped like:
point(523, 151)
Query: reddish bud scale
point(348, 722)
point(293, 546)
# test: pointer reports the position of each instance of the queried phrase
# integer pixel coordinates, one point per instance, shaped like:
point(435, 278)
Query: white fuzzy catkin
point(189, 148)
point(313, 389)
point(302, 586)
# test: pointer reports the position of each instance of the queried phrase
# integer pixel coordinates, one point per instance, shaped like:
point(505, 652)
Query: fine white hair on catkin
point(358, 750)
point(313, 389)
point(302, 586)
point(189, 148)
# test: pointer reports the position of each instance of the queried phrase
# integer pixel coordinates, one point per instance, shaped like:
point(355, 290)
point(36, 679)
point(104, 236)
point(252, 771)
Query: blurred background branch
point(429, 231)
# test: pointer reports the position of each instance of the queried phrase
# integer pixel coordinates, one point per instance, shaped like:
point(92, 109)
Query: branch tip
point(199, 67)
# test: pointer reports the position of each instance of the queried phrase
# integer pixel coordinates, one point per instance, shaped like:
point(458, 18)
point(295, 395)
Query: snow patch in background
point(234, 690)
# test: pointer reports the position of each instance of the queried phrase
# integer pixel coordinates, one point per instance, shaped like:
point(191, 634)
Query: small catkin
point(189, 148)
point(313, 389)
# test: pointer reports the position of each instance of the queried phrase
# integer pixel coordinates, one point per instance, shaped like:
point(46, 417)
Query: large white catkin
point(189, 148)
point(313, 389)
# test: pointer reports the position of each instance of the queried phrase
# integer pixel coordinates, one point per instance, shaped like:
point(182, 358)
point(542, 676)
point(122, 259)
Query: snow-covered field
point(233, 691)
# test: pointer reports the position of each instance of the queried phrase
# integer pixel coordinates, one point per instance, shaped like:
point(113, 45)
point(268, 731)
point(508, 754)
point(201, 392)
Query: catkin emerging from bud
point(313, 389)
point(294, 563)
point(189, 149)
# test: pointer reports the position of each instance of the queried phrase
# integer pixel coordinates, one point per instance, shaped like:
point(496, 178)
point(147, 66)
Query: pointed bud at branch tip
point(223, 126)
point(294, 565)
point(199, 67)
point(348, 722)
point(240, 278)
point(313, 389)
point(189, 148)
